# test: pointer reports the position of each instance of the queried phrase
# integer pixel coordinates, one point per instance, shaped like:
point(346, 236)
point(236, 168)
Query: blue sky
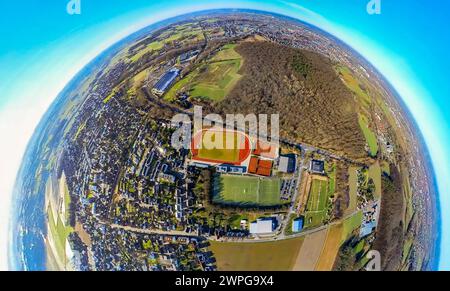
point(42, 48)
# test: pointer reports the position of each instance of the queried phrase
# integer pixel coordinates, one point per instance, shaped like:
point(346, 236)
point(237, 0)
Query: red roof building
point(265, 164)
point(253, 166)
point(264, 172)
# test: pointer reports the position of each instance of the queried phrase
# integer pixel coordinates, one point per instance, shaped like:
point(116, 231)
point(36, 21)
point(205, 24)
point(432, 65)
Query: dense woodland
point(389, 242)
point(314, 105)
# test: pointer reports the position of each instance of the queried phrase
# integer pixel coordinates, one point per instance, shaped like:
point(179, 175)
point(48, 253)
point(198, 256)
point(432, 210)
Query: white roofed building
point(262, 226)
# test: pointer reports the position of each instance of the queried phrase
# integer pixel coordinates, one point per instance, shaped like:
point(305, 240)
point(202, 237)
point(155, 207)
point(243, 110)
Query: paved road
point(277, 237)
point(296, 235)
point(149, 231)
point(292, 208)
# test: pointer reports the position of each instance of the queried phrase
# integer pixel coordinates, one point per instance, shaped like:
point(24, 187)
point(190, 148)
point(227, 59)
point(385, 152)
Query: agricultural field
point(179, 33)
point(264, 256)
point(331, 248)
point(59, 233)
point(242, 190)
point(407, 193)
point(312, 248)
point(58, 228)
point(316, 208)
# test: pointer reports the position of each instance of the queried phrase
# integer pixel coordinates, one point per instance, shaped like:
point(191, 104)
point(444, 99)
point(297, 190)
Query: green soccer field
point(318, 196)
point(251, 191)
point(224, 154)
point(316, 209)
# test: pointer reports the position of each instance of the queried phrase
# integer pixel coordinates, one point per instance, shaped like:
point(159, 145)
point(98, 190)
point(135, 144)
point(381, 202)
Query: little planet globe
point(342, 178)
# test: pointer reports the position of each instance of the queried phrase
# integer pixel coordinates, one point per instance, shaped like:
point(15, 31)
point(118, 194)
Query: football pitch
point(225, 152)
point(218, 146)
point(227, 155)
point(251, 191)
point(316, 209)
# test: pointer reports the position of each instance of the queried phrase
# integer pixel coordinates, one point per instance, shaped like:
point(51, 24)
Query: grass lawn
point(316, 208)
point(313, 219)
point(180, 86)
point(216, 79)
point(243, 190)
point(318, 196)
point(212, 80)
point(219, 145)
point(235, 219)
point(228, 155)
point(375, 174)
point(408, 199)
point(154, 46)
point(354, 85)
point(385, 167)
point(58, 232)
point(351, 224)
point(267, 256)
point(227, 53)
point(369, 135)
point(353, 188)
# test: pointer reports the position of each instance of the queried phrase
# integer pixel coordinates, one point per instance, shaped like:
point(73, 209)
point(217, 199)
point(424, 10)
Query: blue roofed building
point(165, 82)
point(297, 224)
point(367, 228)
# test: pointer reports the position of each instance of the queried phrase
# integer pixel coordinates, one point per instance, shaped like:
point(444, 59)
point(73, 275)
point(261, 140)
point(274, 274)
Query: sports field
point(353, 189)
point(316, 209)
point(242, 190)
point(214, 79)
point(220, 146)
point(318, 195)
point(227, 146)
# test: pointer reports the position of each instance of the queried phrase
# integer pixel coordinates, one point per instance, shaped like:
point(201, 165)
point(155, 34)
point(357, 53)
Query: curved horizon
point(401, 84)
